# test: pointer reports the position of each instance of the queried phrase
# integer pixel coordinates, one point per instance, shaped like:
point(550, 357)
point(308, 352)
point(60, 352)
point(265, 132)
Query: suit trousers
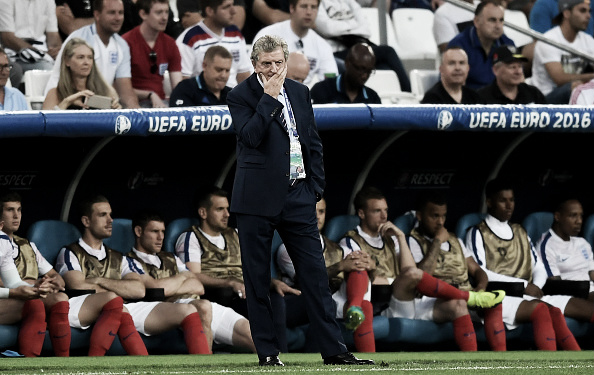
point(297, 226)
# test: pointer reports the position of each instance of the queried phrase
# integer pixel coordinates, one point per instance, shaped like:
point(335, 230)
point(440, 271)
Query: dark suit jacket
point(262, 174)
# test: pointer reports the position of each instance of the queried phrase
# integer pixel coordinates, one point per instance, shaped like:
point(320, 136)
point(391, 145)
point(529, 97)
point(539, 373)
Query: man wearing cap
point(481, 40)
point(509, 86)
point(554, 71)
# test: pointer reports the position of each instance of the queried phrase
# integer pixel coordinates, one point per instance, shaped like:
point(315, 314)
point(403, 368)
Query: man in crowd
point(349, 87)
point(152, 54)
point(29, 33)
point(112, 54)
point(11, 99)
point(211, 251)
point(556, 72)
point(393, 268)
point(509, 86)
point(451, 87)
point(216, 28)
point(297, 67)
point(188, 12)
point(480, 41)
point(504, 251)
point(567, 256)
point(442, 254)
point(300, 36)
point(165, 270)
point(449, 20)
point(208, 88)
point(89, 264)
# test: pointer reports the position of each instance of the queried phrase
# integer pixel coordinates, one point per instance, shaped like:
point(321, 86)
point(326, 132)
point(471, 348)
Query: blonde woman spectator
point(79, 79)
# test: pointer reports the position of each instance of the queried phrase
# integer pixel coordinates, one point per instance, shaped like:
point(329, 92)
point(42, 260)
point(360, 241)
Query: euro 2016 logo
point(444, 120)
point(122, 125)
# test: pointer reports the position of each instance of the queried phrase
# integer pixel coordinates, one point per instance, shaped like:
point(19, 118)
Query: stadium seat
point(467, 221)
point(339, 225)
point(174, 229)
point(406, 222)
point(518, 18)
point(421, 80)
point(387, 86)
point(122, 238)
point(413, 28)
point(51, 236)
point(536, 224)
point(588, 229)
point(35, 81)
point(167, 84)
point(371, 14)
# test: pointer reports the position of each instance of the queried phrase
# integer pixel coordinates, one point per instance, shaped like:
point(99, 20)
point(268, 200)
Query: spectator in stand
point(133, 19)
point(112, 55)
point(11, 99)
point(297, 67)
point(72, 15)
point(216, 28)
point(29, 33)
point(566, 255)
point(509, 86)
point(349, 87)
point(451, 89)
point(300, 36)
point(505, 252)
point(583, 94)
point(449, 20)
point(544, 12)
point(342, 24)
point(210, 87)
point(481, 40)
point(152, 54)
point(556, 72)
point(79, 79)
point(188, 12)
point(262, 13)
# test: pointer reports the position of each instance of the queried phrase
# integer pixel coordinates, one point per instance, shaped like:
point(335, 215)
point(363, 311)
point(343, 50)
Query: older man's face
point(4, 69)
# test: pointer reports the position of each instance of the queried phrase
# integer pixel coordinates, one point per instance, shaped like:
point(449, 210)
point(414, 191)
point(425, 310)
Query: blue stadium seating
point(51, 236)
point(174, 229)
point(467, 221)
point(588, 229)
point(406, 222)
point(339, 225)
point(536, 224)
point(122, 238)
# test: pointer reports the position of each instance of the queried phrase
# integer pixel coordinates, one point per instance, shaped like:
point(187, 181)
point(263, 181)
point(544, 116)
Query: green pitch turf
point(478, 363)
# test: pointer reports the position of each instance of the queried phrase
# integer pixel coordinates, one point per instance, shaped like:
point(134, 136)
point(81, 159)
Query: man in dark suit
point(279, 178)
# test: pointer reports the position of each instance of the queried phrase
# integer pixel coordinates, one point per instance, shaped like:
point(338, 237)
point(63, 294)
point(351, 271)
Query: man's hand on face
point(274, 84)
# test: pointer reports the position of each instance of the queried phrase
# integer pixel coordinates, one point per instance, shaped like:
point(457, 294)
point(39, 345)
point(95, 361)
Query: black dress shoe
point(270, 361)
point(347, 358)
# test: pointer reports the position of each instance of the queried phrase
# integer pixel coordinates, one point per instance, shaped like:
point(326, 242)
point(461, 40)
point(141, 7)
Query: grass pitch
point(428, 363)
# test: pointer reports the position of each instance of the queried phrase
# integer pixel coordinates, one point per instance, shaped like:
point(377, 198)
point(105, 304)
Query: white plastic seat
point(167, 84)
point(35, 81)
point(413, 28)
point(422, 80)
point(387, 86)
point(371, 14)
point(518, 18)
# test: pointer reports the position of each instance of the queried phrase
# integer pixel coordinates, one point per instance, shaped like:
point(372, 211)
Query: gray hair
point(269, 43)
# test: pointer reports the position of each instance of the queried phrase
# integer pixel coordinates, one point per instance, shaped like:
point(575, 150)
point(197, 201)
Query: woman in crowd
point(79, 80)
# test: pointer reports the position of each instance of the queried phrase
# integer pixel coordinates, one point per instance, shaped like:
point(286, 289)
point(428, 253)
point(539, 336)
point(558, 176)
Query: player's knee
point(411, 274)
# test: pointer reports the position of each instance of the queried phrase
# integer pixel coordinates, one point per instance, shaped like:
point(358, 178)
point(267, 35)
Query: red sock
point(544, 334)
point(194, 336)
point(357, 284)
point(433, 287)
point(565, 339)
point(363, 335)
point(106, 327)
point(59, 328)
point(464, 334)
point(129, 336)
point(32, 331)
point(494, 328)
